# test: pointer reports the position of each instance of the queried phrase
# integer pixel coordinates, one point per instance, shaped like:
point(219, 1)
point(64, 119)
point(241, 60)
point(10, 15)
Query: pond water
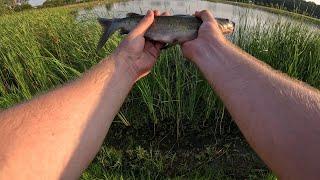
point(232, 12)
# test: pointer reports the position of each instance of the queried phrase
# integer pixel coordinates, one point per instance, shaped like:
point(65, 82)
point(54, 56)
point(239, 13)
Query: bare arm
point(56, 135)
point(279, 117)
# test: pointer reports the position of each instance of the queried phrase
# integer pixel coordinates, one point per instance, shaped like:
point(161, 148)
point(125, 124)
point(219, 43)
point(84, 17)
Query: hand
point(209, 35)
point(137, 53)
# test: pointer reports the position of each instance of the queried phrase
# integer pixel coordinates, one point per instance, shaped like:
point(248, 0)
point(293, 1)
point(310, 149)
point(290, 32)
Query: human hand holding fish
point(209, 35)
point(147, 35)
point(269, 108)
point(137, 53)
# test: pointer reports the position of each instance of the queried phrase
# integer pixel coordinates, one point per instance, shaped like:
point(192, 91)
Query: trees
point(298, 6)
point(22, 7)
point(4, 8)
point(7, 6)
point(53, 3)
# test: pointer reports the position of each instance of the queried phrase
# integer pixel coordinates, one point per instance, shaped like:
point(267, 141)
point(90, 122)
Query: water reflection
point(155, 4)
point(232, 12)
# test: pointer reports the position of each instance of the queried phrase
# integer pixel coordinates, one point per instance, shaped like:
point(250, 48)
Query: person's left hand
point(136, 52)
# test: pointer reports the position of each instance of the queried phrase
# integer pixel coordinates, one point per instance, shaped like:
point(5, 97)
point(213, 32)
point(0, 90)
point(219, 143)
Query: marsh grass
point(41, 49)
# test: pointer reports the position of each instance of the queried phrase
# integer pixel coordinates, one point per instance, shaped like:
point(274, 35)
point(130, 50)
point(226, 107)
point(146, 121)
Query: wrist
point(210, 51)
point(122, 69)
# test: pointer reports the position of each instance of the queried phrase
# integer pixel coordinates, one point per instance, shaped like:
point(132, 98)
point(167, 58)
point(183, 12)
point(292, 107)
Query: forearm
point(59, 133)
point(278, 116)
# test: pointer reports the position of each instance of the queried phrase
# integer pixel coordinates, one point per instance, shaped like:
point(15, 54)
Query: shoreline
point(271, 10)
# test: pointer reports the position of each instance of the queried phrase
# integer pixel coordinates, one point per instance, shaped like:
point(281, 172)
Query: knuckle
point(206, 12)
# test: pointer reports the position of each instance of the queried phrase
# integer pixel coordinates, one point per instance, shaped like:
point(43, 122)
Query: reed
point(42, 49)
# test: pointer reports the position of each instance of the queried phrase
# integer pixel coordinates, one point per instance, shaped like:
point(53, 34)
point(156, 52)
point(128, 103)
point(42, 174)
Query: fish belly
point(171, 37)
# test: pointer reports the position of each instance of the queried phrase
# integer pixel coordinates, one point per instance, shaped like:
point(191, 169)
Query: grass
point(172, 124)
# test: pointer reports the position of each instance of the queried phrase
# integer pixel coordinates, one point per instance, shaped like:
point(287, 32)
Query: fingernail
point(148, 12)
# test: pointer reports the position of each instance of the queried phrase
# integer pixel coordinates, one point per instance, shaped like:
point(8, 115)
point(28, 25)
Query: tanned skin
point(56, 135)
point(279, 116)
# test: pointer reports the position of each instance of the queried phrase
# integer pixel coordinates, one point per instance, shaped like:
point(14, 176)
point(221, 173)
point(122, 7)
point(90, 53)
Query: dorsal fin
point(133, 14)
point(181, 15)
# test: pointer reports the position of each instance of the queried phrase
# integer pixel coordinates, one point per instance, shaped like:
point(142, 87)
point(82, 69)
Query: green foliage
point(7, 7)
point(139, 163)
point(22, 7)
point(173, 115)
point(3, 7)
point(307, 8)
point(55, 3)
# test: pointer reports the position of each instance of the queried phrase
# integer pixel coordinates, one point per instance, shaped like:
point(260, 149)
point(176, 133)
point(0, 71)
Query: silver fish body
point(167, 29)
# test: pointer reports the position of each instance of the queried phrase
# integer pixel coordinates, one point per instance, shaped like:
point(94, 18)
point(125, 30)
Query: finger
point(156, 13)
point(143, 25)
point(166, 13)
point(205, 15)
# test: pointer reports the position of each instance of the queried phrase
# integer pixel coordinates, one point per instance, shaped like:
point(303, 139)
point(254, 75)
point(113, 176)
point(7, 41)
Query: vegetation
point(307, 8)
point(22, 7)
point(8, 6)
point(3, 8)
point(172, 124)
point(55, 3)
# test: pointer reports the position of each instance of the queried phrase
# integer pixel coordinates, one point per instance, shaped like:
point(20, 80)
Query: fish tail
point(108, 29)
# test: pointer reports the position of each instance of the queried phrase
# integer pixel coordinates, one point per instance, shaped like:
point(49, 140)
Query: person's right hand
point(209, 35)
point(137, 53)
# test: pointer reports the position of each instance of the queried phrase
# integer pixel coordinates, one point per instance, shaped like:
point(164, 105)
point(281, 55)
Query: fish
point(166, 29)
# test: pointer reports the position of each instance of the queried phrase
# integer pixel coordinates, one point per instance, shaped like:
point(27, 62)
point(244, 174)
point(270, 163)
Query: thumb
point(205, 15)
point(143, 25)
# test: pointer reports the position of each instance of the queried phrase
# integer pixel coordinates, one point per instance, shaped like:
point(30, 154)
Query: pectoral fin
point(166, 46)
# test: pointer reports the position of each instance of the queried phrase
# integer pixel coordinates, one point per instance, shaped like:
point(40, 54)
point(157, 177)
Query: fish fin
point(123, 31)
point(108, 30)
point(133, 14)
point(166, 46)
point(181, 15)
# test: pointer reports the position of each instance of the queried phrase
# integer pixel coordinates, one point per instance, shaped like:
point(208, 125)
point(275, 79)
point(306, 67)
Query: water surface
point(232, 12)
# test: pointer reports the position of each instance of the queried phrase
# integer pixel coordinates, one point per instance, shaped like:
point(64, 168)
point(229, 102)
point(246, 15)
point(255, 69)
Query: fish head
point(230, 26)
point(226, 25)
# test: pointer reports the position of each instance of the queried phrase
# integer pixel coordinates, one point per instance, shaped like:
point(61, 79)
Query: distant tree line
point(54, 3)
point(9, 6)
point(297, 6)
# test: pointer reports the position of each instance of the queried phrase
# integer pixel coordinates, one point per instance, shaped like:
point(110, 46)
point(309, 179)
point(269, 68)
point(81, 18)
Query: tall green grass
point(42, 49)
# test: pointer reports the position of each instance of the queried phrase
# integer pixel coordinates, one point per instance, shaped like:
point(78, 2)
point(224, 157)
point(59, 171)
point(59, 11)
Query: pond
point(232, 12)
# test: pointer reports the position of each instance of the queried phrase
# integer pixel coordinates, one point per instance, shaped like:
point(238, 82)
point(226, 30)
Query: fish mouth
point(231, 27)
point(228, 28)
point(234, 24)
